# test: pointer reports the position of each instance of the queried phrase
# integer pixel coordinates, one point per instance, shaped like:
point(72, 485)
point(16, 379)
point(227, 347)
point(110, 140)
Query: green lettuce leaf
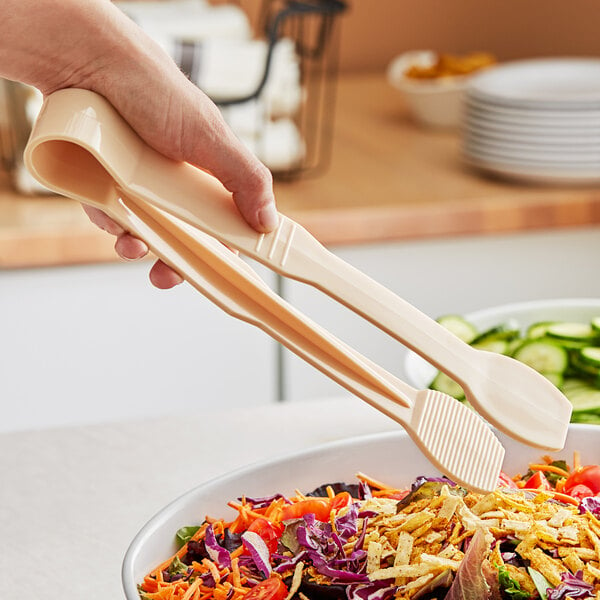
point(509, 587)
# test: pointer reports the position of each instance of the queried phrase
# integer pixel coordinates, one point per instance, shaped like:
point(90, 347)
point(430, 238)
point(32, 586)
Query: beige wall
point(374, 31)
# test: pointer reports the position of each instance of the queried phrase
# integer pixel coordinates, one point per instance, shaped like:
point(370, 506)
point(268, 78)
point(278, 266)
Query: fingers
point(130, 248)
point(181, 122)
point(97, 217)
point(215, 148)
point(163, 277)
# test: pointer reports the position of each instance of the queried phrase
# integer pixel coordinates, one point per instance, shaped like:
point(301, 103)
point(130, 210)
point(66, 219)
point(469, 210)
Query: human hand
point(92, 45)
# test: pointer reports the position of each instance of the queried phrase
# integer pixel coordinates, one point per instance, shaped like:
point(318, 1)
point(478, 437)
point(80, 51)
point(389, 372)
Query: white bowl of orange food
point(433, 85)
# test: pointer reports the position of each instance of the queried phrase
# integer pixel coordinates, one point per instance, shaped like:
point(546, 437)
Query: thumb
point(211, 145)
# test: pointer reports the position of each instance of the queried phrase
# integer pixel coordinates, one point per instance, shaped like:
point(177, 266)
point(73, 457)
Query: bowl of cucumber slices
point(560, 338)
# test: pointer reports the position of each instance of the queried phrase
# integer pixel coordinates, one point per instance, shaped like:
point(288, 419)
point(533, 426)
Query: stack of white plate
point(536, 120)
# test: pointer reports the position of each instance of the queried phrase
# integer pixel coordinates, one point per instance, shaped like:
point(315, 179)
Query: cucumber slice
point(596, 324)
point(571, 344)
point(570, 384)
point(590, 355)
point(577, 332)
point(497, 346)
point(556, 378)
point(513, 345)
point(585, 400)
point(589, 418)
point(539, 329)
point(543, 356)
point(460, 327)
point(502, 332)
point(583, 366)
point(443, 383)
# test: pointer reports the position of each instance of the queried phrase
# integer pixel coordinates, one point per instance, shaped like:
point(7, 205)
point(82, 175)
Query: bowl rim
point(129, 583)
point(173, 507)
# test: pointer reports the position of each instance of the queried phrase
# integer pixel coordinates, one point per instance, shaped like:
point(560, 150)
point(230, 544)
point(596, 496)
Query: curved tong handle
point(89, 154)
point(110, 157)
point(109, 144)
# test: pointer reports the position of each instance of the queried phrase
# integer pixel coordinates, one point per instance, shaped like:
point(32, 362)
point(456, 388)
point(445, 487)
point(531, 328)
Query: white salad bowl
point(419, 373)
point(390, 457)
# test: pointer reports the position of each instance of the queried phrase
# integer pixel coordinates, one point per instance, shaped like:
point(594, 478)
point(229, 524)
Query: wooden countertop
point(388, 180)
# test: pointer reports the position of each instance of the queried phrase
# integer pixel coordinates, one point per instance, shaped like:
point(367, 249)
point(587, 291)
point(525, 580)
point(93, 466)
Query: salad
point(567, 353)
point(536, 536)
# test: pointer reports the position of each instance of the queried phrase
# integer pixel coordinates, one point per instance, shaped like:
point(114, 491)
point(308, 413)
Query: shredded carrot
point(235, 572)
point(372, 483)
point(549, 469)
point(563, 497)
point(248, 512)
point(243, 520)
point(218, 527)
point(210, 565)
point(299, 496)
point(181, 552)
point(560, 485)
point(386, 492)
point(192, 589)
point(197, 594)
point(273, 511)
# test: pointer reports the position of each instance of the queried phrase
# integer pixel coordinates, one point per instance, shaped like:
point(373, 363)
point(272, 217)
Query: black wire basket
point(313, 27)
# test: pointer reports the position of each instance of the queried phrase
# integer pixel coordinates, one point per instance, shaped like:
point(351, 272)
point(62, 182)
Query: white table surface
point(72, 499)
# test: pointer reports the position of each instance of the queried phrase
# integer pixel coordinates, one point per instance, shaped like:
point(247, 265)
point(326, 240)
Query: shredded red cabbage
point(364, 491)
point(258, 551)
point(591, 504)
point(265, 501)
point(325, 548)
point(372, 591)
point(347, 525)
point(288, 562)
point(217, 553)
point(572, 586)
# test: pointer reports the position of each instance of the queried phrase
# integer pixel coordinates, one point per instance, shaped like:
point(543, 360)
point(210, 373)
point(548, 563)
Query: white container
point(433, 102)
point(390, 457)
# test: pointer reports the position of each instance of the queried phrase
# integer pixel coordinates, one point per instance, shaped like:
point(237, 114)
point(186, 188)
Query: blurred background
point(359, 159)
point(375, 32)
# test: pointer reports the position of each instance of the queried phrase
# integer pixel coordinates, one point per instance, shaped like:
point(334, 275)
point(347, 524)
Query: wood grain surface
point(388, 179)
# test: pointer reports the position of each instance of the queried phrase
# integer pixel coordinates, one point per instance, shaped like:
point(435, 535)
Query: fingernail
point(268, 217)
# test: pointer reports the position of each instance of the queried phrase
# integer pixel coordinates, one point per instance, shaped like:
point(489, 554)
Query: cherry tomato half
point(588, 476)
point(269, 532)
point(340, 500)
point(269, 589)
point(580, 491)
point(537, 481)
point(320, 507)
point(505, 481)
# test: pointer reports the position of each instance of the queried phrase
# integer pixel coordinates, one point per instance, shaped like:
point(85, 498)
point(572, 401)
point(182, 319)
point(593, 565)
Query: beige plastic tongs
point(82, 148)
